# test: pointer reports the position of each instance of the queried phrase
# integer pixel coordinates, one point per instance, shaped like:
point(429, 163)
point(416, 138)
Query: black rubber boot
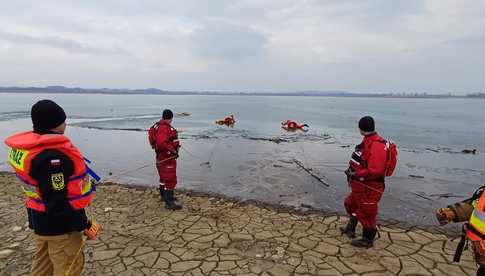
point(170, 203)
point(161, 189)
point(367, 240)
point(349, 229)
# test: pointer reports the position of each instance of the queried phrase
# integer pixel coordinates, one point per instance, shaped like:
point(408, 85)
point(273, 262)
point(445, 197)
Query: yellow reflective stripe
point(16, 157)
point(477, 220)
point(30, 191)
point(86, 184)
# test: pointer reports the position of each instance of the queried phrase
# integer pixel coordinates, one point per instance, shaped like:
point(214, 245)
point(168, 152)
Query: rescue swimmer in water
point(290, 125)
point(227, 121)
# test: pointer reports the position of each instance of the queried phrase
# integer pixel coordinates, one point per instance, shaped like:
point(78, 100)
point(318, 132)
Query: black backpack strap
point(461, 245)
point(478, 193)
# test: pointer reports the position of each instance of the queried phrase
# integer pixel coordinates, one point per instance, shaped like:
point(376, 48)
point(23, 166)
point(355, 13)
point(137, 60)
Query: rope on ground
point(205, 161)
point(309, 171)
point(136, 169)
point(191, 154)
point(211, 155)
point(304, 155)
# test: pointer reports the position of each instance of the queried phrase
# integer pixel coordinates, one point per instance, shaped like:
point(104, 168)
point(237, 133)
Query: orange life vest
point(25, 146)
point(476, 224)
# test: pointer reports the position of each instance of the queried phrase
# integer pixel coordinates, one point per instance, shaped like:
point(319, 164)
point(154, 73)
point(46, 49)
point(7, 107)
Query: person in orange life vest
point(472, 212)
point(365, 176)
point(57, 189)
point(166, 148)
point(292, 125)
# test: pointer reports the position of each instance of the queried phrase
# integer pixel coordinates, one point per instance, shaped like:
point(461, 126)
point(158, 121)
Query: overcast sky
point(246, 45)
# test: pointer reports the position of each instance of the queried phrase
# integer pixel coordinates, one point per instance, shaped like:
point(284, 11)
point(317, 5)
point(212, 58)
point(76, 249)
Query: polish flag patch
point(55, 162)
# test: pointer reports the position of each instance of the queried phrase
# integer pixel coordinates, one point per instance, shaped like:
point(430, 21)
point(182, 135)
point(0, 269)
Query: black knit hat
point(367, 124)
point(46, 115)
point(167, 114)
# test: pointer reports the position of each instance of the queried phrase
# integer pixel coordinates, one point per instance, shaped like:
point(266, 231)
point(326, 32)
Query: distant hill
point(57, 89)
point(156, 91)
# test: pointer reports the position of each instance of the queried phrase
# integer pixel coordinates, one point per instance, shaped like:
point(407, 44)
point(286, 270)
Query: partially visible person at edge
point(471, 210)
point(57, 189)
point(365, 177)
point(166, 145)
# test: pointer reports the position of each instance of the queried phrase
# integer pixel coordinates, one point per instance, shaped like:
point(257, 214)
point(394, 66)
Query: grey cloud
point(466, 41)
point(67, 44)
point(373, 15)
point(228, 42)
point(392, 9)
point(362, 45)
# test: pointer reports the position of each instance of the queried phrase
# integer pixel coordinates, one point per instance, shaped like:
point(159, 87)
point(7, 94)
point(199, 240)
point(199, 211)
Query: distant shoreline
point(158, 92)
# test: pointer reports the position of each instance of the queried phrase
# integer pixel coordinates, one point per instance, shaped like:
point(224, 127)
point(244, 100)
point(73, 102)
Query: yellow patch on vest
point(16, 157)
point(57, 181)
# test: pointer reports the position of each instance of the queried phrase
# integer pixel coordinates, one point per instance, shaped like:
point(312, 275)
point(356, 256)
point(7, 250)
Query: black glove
point(349, 172)
point(175, 153)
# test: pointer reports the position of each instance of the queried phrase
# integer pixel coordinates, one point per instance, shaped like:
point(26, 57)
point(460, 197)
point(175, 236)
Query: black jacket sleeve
point(52, 170)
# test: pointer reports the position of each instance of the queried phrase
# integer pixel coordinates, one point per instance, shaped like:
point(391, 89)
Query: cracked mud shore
point(214, 236)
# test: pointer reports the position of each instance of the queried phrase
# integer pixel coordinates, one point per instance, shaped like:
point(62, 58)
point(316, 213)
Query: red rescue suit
point(166, 148)
point(292, 125)
point(366, 180)
point(229, 120)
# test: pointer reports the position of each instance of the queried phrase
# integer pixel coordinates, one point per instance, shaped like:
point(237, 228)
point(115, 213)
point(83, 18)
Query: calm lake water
point(241, 162)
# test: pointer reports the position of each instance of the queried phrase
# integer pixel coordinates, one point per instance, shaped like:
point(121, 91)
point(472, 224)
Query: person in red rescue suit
point(57, 187)
point(166, 148)
point(365, 176)
point(292, 125)
point(472, 212)
point(227, 121)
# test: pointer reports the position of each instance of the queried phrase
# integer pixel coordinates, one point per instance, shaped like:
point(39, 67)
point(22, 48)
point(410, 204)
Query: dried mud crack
point(213, 236)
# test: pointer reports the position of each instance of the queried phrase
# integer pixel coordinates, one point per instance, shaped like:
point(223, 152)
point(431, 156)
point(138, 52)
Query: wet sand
point(219, 236)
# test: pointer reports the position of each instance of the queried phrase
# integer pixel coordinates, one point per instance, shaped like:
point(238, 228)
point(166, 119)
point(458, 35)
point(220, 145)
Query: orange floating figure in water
point(227, 121)
point(293, 126)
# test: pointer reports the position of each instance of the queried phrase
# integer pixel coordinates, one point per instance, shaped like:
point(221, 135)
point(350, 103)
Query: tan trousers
point(61, 255)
